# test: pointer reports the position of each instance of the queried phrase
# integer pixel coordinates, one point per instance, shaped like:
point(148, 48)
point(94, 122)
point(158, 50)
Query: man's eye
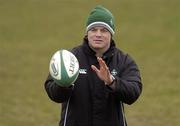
point(104, 30)
point(93, 29)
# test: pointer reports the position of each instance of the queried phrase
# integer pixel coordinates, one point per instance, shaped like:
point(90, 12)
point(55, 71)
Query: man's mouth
point(97, 40)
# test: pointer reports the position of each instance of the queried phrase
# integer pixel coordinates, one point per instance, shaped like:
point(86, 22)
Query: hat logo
point(111, 22)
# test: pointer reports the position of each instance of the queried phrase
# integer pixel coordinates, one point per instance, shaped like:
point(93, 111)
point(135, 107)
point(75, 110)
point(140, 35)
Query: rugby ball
point(64, 68)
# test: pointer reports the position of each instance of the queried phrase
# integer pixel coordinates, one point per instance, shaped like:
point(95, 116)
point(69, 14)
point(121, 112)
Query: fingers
point(102, 63)
point(104, 66)
point(103, 72)
point(94, 68)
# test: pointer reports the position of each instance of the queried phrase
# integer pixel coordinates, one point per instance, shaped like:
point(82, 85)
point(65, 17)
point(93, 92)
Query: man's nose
point(98, 33)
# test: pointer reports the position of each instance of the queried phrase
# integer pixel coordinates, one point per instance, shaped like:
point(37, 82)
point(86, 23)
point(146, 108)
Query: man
point(107, 79)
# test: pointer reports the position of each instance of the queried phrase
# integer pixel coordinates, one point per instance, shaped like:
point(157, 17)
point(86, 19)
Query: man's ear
point(86, 36)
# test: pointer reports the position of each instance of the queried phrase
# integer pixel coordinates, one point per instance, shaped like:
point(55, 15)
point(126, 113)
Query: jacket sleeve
point(55, 92)
point(128, 84)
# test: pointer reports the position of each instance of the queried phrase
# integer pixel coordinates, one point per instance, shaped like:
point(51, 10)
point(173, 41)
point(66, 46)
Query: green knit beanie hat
point(101, 16)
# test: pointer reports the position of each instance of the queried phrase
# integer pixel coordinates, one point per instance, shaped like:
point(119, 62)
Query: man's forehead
point(99, 27)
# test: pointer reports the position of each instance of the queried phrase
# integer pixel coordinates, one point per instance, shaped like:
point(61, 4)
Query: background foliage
point(32, 30)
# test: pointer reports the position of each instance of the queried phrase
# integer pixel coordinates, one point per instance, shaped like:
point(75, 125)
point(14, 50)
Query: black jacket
point(89, 102)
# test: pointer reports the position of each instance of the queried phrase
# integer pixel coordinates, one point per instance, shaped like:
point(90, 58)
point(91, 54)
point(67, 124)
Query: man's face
point(99, 38)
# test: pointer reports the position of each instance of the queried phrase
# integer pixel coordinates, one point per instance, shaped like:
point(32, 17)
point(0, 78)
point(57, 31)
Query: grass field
point(32, 30)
